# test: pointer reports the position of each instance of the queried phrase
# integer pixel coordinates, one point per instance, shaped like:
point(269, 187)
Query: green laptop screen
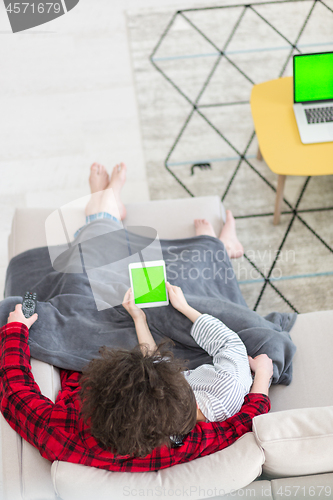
point(313, 77)
point(148, 284)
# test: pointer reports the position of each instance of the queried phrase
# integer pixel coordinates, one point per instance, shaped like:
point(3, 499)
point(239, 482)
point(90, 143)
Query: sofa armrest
point(11, 451)
point(25, 473)
point(214, 475)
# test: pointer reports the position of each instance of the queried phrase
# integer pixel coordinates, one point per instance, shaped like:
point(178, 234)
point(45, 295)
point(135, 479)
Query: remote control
point(29, 304)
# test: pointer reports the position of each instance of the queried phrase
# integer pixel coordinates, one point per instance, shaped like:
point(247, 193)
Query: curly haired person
point(123, 411)
point(137, 400)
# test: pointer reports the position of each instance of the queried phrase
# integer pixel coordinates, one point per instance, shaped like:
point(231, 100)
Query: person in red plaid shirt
point(64, 430)
point(59, 431)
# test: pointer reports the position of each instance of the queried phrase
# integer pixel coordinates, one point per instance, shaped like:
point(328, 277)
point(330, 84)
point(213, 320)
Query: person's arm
point(179, 302)
point(141, 327)
point(210, 437)
point(32, 415)
point(22, 404)
point(205, 438)
point(262, 366)
point(144, 334)
point(224, 345)
point(49, 427)
point(229, 379)
point(220, 342)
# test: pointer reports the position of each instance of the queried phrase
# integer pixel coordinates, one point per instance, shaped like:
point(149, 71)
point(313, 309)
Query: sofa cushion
point(315, 487)
point(296, 442)
point(171, 218)
point(47, 377)
point(214, 475)
point(174, 218)
point(256, 490)
point(312, 334)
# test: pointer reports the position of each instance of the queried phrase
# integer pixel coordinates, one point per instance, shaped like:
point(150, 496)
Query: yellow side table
point(279, 141)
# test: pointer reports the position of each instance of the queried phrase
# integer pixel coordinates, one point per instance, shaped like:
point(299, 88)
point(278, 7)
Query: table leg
point(259, 155)
point(278, 200)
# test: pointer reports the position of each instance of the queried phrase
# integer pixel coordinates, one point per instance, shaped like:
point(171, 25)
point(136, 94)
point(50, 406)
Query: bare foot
point(118, 177)
point(229, 238)
point(98, 181)
point(99, 178)
point(203, 227)
point(117, 181)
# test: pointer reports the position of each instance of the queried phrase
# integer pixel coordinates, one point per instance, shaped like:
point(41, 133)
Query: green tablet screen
point(148, 284)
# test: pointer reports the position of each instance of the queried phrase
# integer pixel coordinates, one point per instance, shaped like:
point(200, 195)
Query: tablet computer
point(148, 283)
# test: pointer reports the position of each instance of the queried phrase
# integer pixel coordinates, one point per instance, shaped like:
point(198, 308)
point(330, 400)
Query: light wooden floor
point(67, 98)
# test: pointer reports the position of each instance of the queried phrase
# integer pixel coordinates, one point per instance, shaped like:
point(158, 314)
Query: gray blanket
point(75, 317)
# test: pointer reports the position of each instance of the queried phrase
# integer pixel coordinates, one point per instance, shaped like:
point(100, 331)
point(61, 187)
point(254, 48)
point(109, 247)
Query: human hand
point(261, 363)
point(17, 315)
point(131, 307)
point(176, 297)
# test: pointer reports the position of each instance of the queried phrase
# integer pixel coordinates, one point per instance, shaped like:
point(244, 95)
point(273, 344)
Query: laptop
point(313, 96)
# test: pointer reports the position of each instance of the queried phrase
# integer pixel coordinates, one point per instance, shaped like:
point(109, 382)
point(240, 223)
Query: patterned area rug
point(194, 71)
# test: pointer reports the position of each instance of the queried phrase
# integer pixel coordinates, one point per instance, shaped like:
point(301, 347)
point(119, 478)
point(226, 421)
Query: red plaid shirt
point(59, 433)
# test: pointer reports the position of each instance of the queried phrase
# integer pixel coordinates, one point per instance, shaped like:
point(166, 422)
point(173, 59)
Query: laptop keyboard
point(319, 115)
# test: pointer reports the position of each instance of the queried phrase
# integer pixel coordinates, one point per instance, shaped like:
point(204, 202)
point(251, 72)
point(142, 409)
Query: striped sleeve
point(224, 345)
point(220, 389)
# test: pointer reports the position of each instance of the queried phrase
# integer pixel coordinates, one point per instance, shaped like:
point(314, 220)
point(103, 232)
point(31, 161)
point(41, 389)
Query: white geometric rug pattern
point(194, 73)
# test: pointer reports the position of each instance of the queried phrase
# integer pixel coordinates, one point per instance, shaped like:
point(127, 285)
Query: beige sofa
point(288, 454)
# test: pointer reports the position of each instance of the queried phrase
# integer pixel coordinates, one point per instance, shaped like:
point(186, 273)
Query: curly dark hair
point(135, 401)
